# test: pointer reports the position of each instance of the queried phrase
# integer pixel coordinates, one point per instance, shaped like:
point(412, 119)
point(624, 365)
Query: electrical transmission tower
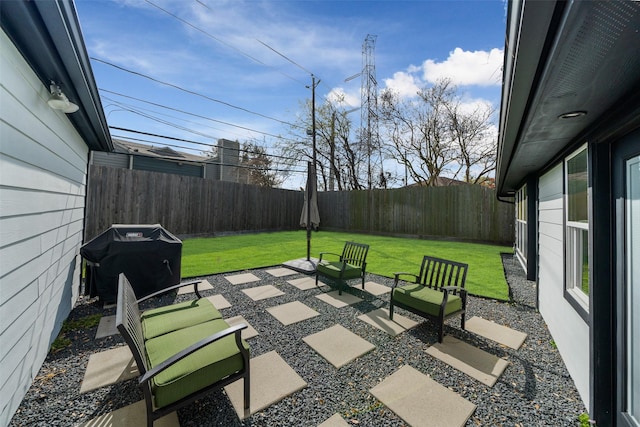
point(369, 102)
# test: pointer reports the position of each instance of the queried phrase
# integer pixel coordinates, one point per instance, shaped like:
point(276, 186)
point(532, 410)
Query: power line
point(282, 55)
point(197, 142)
point(193, 114)
point(194, 93)
point(136, 110)
point(219, 40)
point(239, 165)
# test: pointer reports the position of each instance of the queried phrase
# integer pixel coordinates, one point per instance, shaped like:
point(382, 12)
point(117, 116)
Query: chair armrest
point(172, 287)
point(328, 253)
point(402, 273)
point(454, 288)
point(193, 348)
point(447, 289)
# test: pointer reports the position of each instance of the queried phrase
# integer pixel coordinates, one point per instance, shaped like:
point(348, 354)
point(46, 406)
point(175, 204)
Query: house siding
point(43, 162)
point(570, 332)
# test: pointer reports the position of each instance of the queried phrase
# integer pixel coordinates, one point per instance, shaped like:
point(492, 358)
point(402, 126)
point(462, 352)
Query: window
point(577, 227)
point(521, 225)
point(632, 241)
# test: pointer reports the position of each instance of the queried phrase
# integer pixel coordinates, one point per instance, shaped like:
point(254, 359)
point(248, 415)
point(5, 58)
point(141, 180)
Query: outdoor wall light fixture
point(59, 101)
point(572, 114)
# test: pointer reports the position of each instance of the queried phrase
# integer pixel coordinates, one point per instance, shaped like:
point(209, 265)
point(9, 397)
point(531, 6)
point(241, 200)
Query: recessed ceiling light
point(572, 114)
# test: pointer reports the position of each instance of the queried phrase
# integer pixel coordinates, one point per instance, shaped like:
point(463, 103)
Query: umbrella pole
point(309, 211)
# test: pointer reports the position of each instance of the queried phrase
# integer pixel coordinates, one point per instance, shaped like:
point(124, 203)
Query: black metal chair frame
point(441, 275)
point(129, 326)
point(354, 254)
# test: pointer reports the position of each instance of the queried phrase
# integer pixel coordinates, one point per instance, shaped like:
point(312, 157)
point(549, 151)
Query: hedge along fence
point(464, 212)
point(189, 206)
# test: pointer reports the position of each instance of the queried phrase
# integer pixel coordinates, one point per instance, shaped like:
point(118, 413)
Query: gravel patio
point(534, 390)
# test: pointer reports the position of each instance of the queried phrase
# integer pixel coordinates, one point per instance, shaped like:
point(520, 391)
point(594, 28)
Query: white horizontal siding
point(43, 163)
point(569, 330)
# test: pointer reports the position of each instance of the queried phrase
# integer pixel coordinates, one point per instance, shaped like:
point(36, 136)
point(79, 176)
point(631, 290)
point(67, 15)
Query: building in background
point(222, 166)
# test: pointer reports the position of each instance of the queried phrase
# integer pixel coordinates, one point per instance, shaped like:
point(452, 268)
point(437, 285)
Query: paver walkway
point(412, 395)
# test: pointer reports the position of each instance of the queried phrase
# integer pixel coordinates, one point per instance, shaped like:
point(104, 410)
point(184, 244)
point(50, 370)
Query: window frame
point(573, 236)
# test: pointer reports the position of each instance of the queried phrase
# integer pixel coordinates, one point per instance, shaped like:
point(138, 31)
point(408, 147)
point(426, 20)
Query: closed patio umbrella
point(310, 216)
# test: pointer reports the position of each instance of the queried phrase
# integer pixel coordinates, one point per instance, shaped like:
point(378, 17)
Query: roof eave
point(48, 35)
point(536, 20)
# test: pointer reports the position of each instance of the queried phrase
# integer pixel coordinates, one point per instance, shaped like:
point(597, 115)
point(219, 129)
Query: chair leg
point(462, 321)
point(391, 309)
point(247, 388)
point(441, 332)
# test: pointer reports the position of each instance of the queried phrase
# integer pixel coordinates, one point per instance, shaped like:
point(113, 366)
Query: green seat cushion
point(162, 320)
point(196, 371)
point(426, 300)
point(332, 269)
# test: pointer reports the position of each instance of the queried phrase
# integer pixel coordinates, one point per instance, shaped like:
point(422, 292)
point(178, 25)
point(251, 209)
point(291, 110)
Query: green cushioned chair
point(436, 292)
point(351, 264)
point(183, 365)
point(162, 320)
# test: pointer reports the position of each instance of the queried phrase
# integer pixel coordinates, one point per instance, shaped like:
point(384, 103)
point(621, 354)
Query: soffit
point(592, 65)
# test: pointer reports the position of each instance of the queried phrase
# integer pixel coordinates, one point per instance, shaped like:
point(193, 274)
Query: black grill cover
point(147, 253)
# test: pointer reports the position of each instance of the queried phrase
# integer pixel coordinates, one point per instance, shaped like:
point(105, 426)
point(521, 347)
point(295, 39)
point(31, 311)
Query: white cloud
point(466, 68)
point(345, 99)
point(404, 83)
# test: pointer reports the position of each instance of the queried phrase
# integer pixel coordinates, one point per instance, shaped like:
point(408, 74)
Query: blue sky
point(225, 50)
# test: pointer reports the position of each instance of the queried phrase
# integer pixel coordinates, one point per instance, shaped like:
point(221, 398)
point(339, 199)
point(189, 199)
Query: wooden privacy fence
point(186, 206)
point(189, 206)
point(465, 212)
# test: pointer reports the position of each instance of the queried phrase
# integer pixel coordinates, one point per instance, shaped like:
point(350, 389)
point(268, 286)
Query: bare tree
point(339, 159)
point(436, 134)
point(471, 130)
point(258, 166)
point(418, 131)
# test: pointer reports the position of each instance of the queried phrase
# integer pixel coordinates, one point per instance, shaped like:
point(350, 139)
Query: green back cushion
point(162, 320)
point(196, 371)
point(332, 269)
point(425, 299)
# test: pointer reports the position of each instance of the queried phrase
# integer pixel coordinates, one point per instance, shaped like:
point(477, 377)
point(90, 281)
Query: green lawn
point(203, 256)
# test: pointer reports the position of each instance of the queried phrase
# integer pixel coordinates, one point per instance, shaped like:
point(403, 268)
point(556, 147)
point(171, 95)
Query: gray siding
point(153, 164)
point(570, 332)
point(42, 187)
point(114, 160)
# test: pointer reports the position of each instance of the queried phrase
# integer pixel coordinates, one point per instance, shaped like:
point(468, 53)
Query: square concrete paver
point(338, 301)
point(250, 332)
point(338, 345)
point(380, 319)
point(109, 367)
point(421, 401)
point(306, 283)
point(271, 381)
point(281, 272)
point(106, 327)
point(131, 415)
point(189, 289)
point(219, 301)
point(241, 279)
point(495, 332)
point(336, 420)
point(292, 312)
point(263, 292)
point(476, 363)
point(376, 289)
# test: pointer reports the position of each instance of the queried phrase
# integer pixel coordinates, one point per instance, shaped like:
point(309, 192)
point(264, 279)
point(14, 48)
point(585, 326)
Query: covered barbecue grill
point(147, 253)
